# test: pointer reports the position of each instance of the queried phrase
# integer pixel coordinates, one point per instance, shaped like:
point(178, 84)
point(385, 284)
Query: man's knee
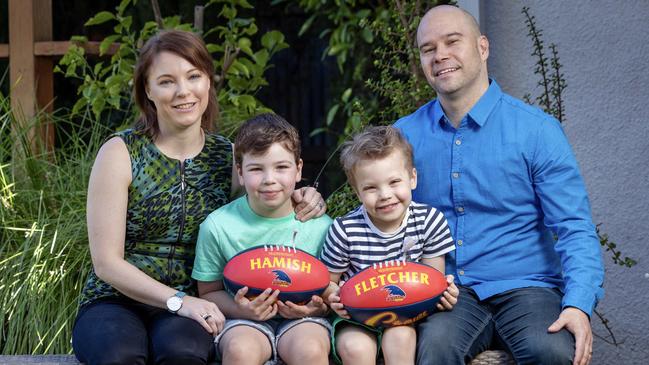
point(550, 348)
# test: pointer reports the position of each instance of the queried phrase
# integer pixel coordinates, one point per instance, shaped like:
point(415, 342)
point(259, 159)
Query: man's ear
point(483, 47)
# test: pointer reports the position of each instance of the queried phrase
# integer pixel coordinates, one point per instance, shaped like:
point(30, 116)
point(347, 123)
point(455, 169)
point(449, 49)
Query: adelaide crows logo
point(395, 294)
point(281, 278)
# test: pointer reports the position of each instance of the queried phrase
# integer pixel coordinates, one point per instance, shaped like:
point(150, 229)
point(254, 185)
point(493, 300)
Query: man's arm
point(563, 199)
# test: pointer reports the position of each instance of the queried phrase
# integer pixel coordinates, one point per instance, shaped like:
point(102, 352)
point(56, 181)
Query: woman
point(149, 190)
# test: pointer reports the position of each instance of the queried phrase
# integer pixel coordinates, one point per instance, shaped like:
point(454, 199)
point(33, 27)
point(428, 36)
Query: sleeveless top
point(167, 201)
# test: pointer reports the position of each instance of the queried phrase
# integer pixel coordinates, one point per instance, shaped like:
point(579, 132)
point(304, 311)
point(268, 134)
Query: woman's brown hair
point(186, 45)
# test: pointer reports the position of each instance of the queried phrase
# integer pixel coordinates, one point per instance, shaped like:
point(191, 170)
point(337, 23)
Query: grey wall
point(604, 48)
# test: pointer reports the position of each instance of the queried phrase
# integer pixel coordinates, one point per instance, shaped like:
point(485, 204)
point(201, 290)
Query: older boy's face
point(269, 180)
point(384, 186)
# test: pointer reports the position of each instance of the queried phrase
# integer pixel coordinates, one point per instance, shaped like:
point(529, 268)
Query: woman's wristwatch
point(176, 302)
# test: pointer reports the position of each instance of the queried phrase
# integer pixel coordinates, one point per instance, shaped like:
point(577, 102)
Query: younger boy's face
point(384, 186)
point(269, 180)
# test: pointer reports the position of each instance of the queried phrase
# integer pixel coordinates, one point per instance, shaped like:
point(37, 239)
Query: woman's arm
point(106, 217)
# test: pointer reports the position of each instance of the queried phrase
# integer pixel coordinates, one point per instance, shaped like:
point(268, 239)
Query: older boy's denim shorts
point(273, 329)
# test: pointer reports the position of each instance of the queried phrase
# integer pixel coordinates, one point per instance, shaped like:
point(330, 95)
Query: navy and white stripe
point(354, 243)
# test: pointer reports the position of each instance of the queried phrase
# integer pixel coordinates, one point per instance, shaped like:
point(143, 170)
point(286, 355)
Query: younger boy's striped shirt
point(354, 243)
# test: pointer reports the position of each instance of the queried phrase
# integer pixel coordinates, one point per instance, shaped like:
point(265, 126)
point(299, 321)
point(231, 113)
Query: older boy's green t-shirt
point(235, 227)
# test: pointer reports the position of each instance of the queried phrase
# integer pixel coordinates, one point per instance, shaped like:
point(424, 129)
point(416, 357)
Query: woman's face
point(179, 90)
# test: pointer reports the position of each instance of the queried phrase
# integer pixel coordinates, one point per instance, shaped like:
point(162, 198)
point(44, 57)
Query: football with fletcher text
point(297, 274)
point(392, 293)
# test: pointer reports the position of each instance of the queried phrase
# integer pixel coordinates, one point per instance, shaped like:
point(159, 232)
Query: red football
point(393, 293)
point(297, 274)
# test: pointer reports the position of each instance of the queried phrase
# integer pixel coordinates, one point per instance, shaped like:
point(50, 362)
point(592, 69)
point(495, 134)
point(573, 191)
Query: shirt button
point(459, 242)
point(458, 142)
point(460, 209)
point(456, 175)
point(461, 272)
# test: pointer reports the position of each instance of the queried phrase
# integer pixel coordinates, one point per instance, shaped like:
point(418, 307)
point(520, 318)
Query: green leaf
point(106, 43)
point(99, 18)
point(346, 94)
point(214, 48)
point(317, 131)
point(122, 6)
point(98, 67)
point(244, 44)
point(367, 35)
point(261, 57)
point(79, 38)
point(247, 101)
point(245, 4)
point(272, 39)
point(251, 30)
point(331, 114)
point(228, 12)
point(306, 25)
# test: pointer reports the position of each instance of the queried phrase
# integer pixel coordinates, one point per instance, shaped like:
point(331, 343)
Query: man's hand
point(577, 322)
point(308, 203)
point(314, 308)
point(449, 297)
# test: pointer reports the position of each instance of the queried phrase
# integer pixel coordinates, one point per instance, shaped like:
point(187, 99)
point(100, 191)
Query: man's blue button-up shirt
point(509, 185)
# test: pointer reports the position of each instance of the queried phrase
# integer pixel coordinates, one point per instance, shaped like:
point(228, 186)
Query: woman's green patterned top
point(167, 201)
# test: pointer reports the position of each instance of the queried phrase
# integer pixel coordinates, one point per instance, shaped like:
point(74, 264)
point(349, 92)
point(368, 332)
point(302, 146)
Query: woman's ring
point(206, 316)
point(319, 205)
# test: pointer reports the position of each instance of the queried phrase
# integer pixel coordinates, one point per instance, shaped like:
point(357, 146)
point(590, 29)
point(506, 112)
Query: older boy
point(267, 154)
point(387, 226)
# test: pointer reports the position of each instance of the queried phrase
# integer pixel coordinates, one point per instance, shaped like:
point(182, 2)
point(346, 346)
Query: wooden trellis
point(31, 52)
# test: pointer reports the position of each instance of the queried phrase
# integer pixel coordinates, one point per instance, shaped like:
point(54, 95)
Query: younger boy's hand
point(261, 308)
point(314, 308)
point(449, 298)
point(335, 304)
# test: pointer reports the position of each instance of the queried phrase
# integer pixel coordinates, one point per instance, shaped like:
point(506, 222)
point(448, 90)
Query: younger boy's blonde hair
point(374, 143)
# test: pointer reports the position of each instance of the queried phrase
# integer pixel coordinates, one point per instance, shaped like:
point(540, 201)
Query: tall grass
point(44, 256)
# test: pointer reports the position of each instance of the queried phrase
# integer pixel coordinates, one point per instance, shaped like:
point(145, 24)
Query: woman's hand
point(204, 312)
point(314, 308)
point(262, 308)
point(308, 203)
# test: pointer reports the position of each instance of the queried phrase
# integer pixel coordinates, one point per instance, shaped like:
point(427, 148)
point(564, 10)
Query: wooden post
point(31, 77)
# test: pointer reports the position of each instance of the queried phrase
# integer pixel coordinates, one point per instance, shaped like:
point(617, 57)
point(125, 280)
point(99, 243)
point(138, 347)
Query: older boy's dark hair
point(373, 143)
point(258, 133)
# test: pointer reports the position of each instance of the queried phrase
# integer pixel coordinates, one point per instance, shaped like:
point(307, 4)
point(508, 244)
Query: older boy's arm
point(262, 308)
point(449, 298)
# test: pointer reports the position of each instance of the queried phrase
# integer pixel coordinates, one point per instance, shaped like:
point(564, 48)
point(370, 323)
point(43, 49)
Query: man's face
point(452, 52)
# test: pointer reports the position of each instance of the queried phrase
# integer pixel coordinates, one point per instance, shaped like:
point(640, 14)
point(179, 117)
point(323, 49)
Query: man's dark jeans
point(516, 321)
point(127, 332)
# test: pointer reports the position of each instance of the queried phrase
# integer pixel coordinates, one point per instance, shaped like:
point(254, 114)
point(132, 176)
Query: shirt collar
point(480, 111)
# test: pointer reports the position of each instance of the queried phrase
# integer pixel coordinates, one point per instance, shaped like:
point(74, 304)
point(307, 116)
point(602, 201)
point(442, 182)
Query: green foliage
point(375, 46)
point(107, 86)
point(551, 81)
point(44, 257)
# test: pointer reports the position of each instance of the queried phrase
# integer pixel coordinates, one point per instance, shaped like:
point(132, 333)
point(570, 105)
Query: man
point(528, 261)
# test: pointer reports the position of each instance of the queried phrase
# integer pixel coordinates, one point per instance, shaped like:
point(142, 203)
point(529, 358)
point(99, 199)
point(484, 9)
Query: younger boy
point(387, 226)
point(267, 156)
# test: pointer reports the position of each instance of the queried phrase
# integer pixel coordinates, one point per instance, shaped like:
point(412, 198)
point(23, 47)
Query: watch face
point(174, 303)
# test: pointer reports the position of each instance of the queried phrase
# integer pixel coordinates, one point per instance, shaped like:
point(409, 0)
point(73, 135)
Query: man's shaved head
point(463, 15)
